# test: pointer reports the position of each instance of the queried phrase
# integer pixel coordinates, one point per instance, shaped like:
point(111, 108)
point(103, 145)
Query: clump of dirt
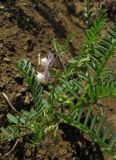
point(26, 29)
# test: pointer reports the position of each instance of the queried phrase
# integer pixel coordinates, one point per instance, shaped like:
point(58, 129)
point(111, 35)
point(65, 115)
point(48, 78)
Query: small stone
point(6, 60)
point(18, 96)
point(2, 7)
point(27, 100)
point(28, 153)
point(23, 91)
point(19, 79)
point(1, 45)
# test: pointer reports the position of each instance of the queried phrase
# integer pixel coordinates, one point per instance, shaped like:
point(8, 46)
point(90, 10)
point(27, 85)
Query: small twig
point(14, 146)
point(9, 103)
point(62, 63)
point(39, 59)
point(101, 110)
point(6, 154)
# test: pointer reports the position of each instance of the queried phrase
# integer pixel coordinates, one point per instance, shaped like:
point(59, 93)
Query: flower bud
point(41, 78)
point(44, 62)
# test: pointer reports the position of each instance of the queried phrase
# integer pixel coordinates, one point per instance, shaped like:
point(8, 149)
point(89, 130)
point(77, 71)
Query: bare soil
point(27, 27)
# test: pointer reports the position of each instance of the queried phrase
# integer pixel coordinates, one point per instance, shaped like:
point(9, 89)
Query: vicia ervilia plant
point(84, 83)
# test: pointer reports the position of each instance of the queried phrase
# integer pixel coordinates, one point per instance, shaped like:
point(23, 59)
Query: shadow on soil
point(85, 149)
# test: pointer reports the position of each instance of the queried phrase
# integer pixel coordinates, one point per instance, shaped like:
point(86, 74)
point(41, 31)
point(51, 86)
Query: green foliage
point(88, 13)
point(102, 53)
point(91, 79)
point(60, 48)
point(93, 33)
point(94, 133)
point(27, 120)
point(9, 133)
point(94, 92)
point(29, 74)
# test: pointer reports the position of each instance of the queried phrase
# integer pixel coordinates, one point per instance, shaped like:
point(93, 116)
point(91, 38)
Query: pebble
point(6, 60)
point(27, 100)
point(23, 91)
point(28, 153)
point(2, 7)
point(1, 45)
point(18, 96)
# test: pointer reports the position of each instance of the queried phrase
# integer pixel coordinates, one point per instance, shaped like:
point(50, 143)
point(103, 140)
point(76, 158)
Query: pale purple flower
point(46, 63)
point(50, 59)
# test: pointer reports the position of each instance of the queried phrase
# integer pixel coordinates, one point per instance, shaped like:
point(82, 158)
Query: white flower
point(48, 61)
point(44, 62)
point(41, 78)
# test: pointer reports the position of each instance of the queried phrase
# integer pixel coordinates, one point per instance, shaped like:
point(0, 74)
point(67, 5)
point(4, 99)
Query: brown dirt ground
point(27, 27)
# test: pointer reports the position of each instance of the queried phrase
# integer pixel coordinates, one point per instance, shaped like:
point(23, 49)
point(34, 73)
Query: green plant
point(85, 81)
point(95, 134)
point(26, 121)
point(61, 48)
point(87, 13)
